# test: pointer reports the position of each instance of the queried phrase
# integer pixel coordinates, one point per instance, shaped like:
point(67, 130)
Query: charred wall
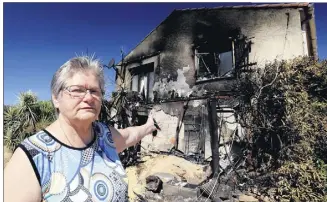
point(274, 34)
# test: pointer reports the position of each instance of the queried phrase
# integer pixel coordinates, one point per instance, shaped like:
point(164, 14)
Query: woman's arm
point(127, 137)
point(20, 181)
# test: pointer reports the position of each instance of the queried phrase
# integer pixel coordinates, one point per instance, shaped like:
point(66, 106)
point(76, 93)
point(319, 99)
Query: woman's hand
point(150, 125)
point(130, 136)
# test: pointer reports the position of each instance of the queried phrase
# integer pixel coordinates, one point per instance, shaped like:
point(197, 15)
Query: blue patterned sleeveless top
point(93, 173)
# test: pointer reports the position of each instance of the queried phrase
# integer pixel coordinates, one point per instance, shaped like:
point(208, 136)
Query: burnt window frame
point(140, 71)
point(214, 49)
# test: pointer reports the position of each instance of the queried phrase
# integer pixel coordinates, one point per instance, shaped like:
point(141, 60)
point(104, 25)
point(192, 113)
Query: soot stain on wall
point(180, 33)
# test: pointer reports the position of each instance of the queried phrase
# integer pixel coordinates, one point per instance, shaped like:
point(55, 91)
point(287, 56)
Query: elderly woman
point(76, 157)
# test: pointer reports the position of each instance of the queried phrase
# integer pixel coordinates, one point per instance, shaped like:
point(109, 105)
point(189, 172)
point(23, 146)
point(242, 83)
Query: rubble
point(164, 178)
point(153, 183)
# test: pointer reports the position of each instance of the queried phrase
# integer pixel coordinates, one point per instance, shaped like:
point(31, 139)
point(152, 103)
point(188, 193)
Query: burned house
point(197, 54)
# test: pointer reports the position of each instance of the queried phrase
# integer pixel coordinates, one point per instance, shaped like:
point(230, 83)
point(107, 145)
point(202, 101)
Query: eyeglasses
point(79, 92)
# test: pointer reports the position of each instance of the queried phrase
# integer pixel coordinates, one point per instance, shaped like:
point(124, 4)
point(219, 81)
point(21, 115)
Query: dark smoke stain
point(183, 31)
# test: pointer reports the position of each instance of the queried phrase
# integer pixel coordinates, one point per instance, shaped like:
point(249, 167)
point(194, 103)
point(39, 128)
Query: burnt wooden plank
point(213, 128)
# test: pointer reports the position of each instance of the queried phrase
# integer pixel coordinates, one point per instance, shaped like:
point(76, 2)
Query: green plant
point(25, 118)
point(27, 106)
point(285, 113)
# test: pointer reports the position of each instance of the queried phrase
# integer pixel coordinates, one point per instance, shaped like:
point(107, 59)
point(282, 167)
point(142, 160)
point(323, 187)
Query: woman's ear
point(55, 101)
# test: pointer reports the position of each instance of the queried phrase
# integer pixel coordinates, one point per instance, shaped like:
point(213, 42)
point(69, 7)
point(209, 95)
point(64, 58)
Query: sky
point(40, 37)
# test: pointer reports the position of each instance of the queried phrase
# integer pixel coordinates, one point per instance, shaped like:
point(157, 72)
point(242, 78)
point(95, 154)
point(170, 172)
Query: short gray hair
point(72, 66)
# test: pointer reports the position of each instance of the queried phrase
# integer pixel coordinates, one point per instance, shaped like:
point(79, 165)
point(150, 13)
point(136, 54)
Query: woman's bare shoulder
point(20, 182)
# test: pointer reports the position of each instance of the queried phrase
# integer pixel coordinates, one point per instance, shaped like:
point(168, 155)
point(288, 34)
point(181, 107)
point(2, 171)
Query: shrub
point(286, 116)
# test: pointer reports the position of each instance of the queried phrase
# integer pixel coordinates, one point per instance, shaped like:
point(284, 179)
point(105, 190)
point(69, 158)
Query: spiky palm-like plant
point(12, 119)
point(45, 111)
point(28, 109)
point(12, 126)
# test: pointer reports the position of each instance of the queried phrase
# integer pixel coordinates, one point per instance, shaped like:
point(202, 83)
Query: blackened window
point(143, 80)
point(214, 60)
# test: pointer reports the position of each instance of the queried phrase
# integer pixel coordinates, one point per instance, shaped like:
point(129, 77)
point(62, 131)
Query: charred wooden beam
point(140, 58)
point(213, 128)
point(178, 129)
point(209, 80)
point(219, 95)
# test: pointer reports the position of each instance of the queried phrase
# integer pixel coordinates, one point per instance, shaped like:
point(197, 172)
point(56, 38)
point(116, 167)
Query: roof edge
point(254, 6)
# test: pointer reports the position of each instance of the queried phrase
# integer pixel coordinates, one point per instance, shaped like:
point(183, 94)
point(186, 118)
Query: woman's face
point(71, 101)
